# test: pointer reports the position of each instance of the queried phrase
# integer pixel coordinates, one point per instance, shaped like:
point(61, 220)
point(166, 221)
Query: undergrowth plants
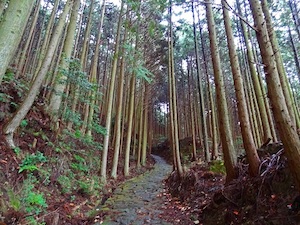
point(66, 164)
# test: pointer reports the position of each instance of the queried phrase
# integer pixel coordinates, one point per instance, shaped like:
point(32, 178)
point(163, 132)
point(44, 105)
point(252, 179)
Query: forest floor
point(53, 178)
point(263, 200)
point(141, 200)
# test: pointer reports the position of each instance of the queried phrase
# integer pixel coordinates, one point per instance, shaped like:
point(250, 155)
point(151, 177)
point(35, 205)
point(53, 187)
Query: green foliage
point(217, 166)
point(96, 127)
point(23, 123)
point(32, 201)
point(9, 76)
point(31, 160)
point(152, 28)
point(144, 73)
point(66, 183)
point(5, 98)
point(73, 117)
point(14, 200)
point(17, 150)
point(77, 134)
point(29, 168)
point(84, 187)
point(79, 164)
point(35, 202)
point(32, 221)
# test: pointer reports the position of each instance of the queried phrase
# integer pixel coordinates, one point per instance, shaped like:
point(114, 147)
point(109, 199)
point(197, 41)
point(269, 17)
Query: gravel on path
point(140, 200)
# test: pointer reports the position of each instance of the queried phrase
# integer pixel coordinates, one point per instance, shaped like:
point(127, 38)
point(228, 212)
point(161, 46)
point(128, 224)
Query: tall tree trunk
point(294, 11)
point(43, 50)
point(286, 127)
point(83, 61)
point(257, 88)
point(200, 88)
point(119, 112)
point(12, 26)
point(173, 99)
point(191, 108)
point(111, 97)
point(130, 122)
point(214, 132)
point(95, 70)
point(248, 140)
point(280, 68)
point(145, 125)
point(131, 104)
point(14, 123)
point(224, 125)
point(29, 40)
point(61, 78)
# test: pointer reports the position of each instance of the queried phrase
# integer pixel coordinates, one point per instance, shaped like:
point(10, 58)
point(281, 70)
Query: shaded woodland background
point(89, 89)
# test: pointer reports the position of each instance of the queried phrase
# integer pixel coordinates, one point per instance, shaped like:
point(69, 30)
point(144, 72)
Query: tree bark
point(200, 88)
point(12, 27)
point(229, 153)
point(286, 127)
point(248, 140)
point(111, 98)
point(61, 78)
point(14, 123)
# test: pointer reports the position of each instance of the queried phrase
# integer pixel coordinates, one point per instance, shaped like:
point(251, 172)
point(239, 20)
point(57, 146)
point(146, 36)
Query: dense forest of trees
point(129, 75)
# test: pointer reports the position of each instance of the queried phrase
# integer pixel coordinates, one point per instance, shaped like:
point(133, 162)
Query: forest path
point(139, 200)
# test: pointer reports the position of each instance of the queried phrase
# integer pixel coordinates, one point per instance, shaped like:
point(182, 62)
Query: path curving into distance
point(139, 201)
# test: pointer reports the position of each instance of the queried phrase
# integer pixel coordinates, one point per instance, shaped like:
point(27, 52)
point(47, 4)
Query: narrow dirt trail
point(139, 201)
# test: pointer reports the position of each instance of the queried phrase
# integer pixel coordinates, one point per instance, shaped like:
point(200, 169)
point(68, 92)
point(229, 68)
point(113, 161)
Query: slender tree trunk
point(94, 72)
point(214, 132)
point(61, 78)
point(119, 112)
point(130, 122)
point(200, 88)
point(45, 46)
point(257, 87)
point(173, 99)
point(12, 26)
point(14, 123)
point(248, 140)
point(83, 61)
point(224, 126)
point(145, 126)
point(111, 98)
point(295, 52)
point(286, 127)
point(280, 68)
point(296, 20)
point(25, 49)
point(192, 114)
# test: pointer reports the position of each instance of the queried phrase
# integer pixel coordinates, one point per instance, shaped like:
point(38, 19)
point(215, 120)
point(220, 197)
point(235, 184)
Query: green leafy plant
point(78, 133)
point(31, 161)
point(84, 187)
point(79, 164)
point(32, 221)
point(23, 123)
point(66, 183)
point(17, 150)
point(14, 200)
point(35, 202)
point(97, 127)
point(5, 97)
point(32, 201)
point(217, 166)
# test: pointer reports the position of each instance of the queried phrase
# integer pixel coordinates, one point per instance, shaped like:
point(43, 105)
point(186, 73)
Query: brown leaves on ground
point(246, 200)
